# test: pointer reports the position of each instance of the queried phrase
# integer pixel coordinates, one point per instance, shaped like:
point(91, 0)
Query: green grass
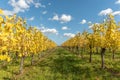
point(61, 64)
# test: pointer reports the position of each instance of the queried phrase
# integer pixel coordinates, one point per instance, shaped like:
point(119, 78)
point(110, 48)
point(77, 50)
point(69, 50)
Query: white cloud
point(116, 13)
point(89, 22)
point(31, 19)
point(64, 18)
point(109, 11)
point(117, 2)
point(53, 31)
point(21, 6)
point(18, 6)
point(83, 21)
point(49, 4)
point(55, 17)
point(37, 5)
point(91, 26)
point(69, 34)
point(64, 28)
point(7, 12)
point(45, 30)
point(105, 12)
point(44, 12)
point(30, 1)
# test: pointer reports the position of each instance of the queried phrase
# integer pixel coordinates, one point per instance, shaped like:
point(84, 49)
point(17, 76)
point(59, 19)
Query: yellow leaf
point(20, 55)
point(1, 11)
point(1, 19)
point(4, 38)
point(4, 48)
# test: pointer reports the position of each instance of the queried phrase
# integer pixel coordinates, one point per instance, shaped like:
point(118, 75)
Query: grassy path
point(61, 64)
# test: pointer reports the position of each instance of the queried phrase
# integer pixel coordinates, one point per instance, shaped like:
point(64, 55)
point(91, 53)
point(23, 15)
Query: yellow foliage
point(14, 36)
point(1, 11)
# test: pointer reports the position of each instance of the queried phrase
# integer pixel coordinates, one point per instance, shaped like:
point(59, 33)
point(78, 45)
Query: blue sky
point(61, 19)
